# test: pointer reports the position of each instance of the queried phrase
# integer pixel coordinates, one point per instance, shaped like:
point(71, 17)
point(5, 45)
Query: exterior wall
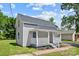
point(29, 40)
point(26, 36)
point(33, 42)
point(42, 38)
point(20, 30)
point(56, 38)
point(66, 36)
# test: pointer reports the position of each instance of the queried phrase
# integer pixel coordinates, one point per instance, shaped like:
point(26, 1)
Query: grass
point(9, 47)
point(66, 40)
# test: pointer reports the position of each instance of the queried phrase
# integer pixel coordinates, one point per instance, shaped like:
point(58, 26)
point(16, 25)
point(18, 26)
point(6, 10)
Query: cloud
point(44, 4)
point(54, 4)
point(1, 6)
point(63, 12)
point(56, 10)
point(13, 6)
point(38, 6)
point(67, 12)
point(49, 13)
point(29, 5)
point(46, 15)
point(6, 12)
point(71, 10)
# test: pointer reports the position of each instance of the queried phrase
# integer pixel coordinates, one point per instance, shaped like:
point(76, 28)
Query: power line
point(11, 9)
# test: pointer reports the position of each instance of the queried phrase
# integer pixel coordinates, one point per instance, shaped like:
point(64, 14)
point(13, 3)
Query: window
point(34, 34)
point(18, 35)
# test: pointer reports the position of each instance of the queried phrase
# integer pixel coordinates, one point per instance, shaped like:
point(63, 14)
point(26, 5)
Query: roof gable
point(37, 21)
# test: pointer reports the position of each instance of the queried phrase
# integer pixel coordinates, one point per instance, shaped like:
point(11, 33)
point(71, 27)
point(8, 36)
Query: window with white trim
point(34, 34)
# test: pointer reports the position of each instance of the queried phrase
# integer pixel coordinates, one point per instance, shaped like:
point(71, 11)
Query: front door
point(51, 37)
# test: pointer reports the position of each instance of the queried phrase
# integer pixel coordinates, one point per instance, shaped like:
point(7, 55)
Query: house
point(68, 35)
point(36, 32)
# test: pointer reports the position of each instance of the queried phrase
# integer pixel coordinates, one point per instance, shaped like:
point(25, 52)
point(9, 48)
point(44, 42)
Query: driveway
point(72, 44)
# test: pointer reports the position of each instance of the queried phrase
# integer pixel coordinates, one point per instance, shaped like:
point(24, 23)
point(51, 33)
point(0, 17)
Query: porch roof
point(33, 29)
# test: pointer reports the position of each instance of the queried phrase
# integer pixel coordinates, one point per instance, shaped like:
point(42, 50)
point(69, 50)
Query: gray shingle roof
point(36, 21)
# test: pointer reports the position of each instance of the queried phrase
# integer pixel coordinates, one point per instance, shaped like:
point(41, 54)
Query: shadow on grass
point(15, 44)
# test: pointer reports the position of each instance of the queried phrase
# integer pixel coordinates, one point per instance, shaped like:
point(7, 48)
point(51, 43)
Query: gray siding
point(42, 38)
point(66, 36)
point(20, 30)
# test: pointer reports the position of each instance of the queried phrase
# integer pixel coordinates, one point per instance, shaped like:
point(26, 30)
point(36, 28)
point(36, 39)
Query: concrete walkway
point(41, 52)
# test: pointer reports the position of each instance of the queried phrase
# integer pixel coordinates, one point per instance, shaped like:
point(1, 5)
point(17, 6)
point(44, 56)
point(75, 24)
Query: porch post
point(36, 38)
point(60, 37)
point(73, 36)
point(53, 36)
point(48, 37)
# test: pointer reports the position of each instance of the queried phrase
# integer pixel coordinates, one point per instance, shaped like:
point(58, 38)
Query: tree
point(10, 28)
point(7, 25)
point(52, 20)
point(68, 22)
point(75, 7)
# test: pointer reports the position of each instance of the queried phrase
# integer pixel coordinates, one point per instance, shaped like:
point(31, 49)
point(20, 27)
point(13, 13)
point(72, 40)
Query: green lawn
point(66, 40)
point(9, 47)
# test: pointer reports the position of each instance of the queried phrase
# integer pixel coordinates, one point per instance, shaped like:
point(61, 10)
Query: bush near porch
point(9, 47)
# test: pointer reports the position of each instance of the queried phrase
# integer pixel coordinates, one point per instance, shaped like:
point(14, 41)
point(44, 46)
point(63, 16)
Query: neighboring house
point(68, 35)
point(36, 32)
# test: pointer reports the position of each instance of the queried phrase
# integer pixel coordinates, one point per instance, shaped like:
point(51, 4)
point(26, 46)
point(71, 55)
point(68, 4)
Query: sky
point(38, 10)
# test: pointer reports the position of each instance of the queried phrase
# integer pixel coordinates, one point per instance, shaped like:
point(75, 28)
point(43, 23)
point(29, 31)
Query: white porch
point(42, 37)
